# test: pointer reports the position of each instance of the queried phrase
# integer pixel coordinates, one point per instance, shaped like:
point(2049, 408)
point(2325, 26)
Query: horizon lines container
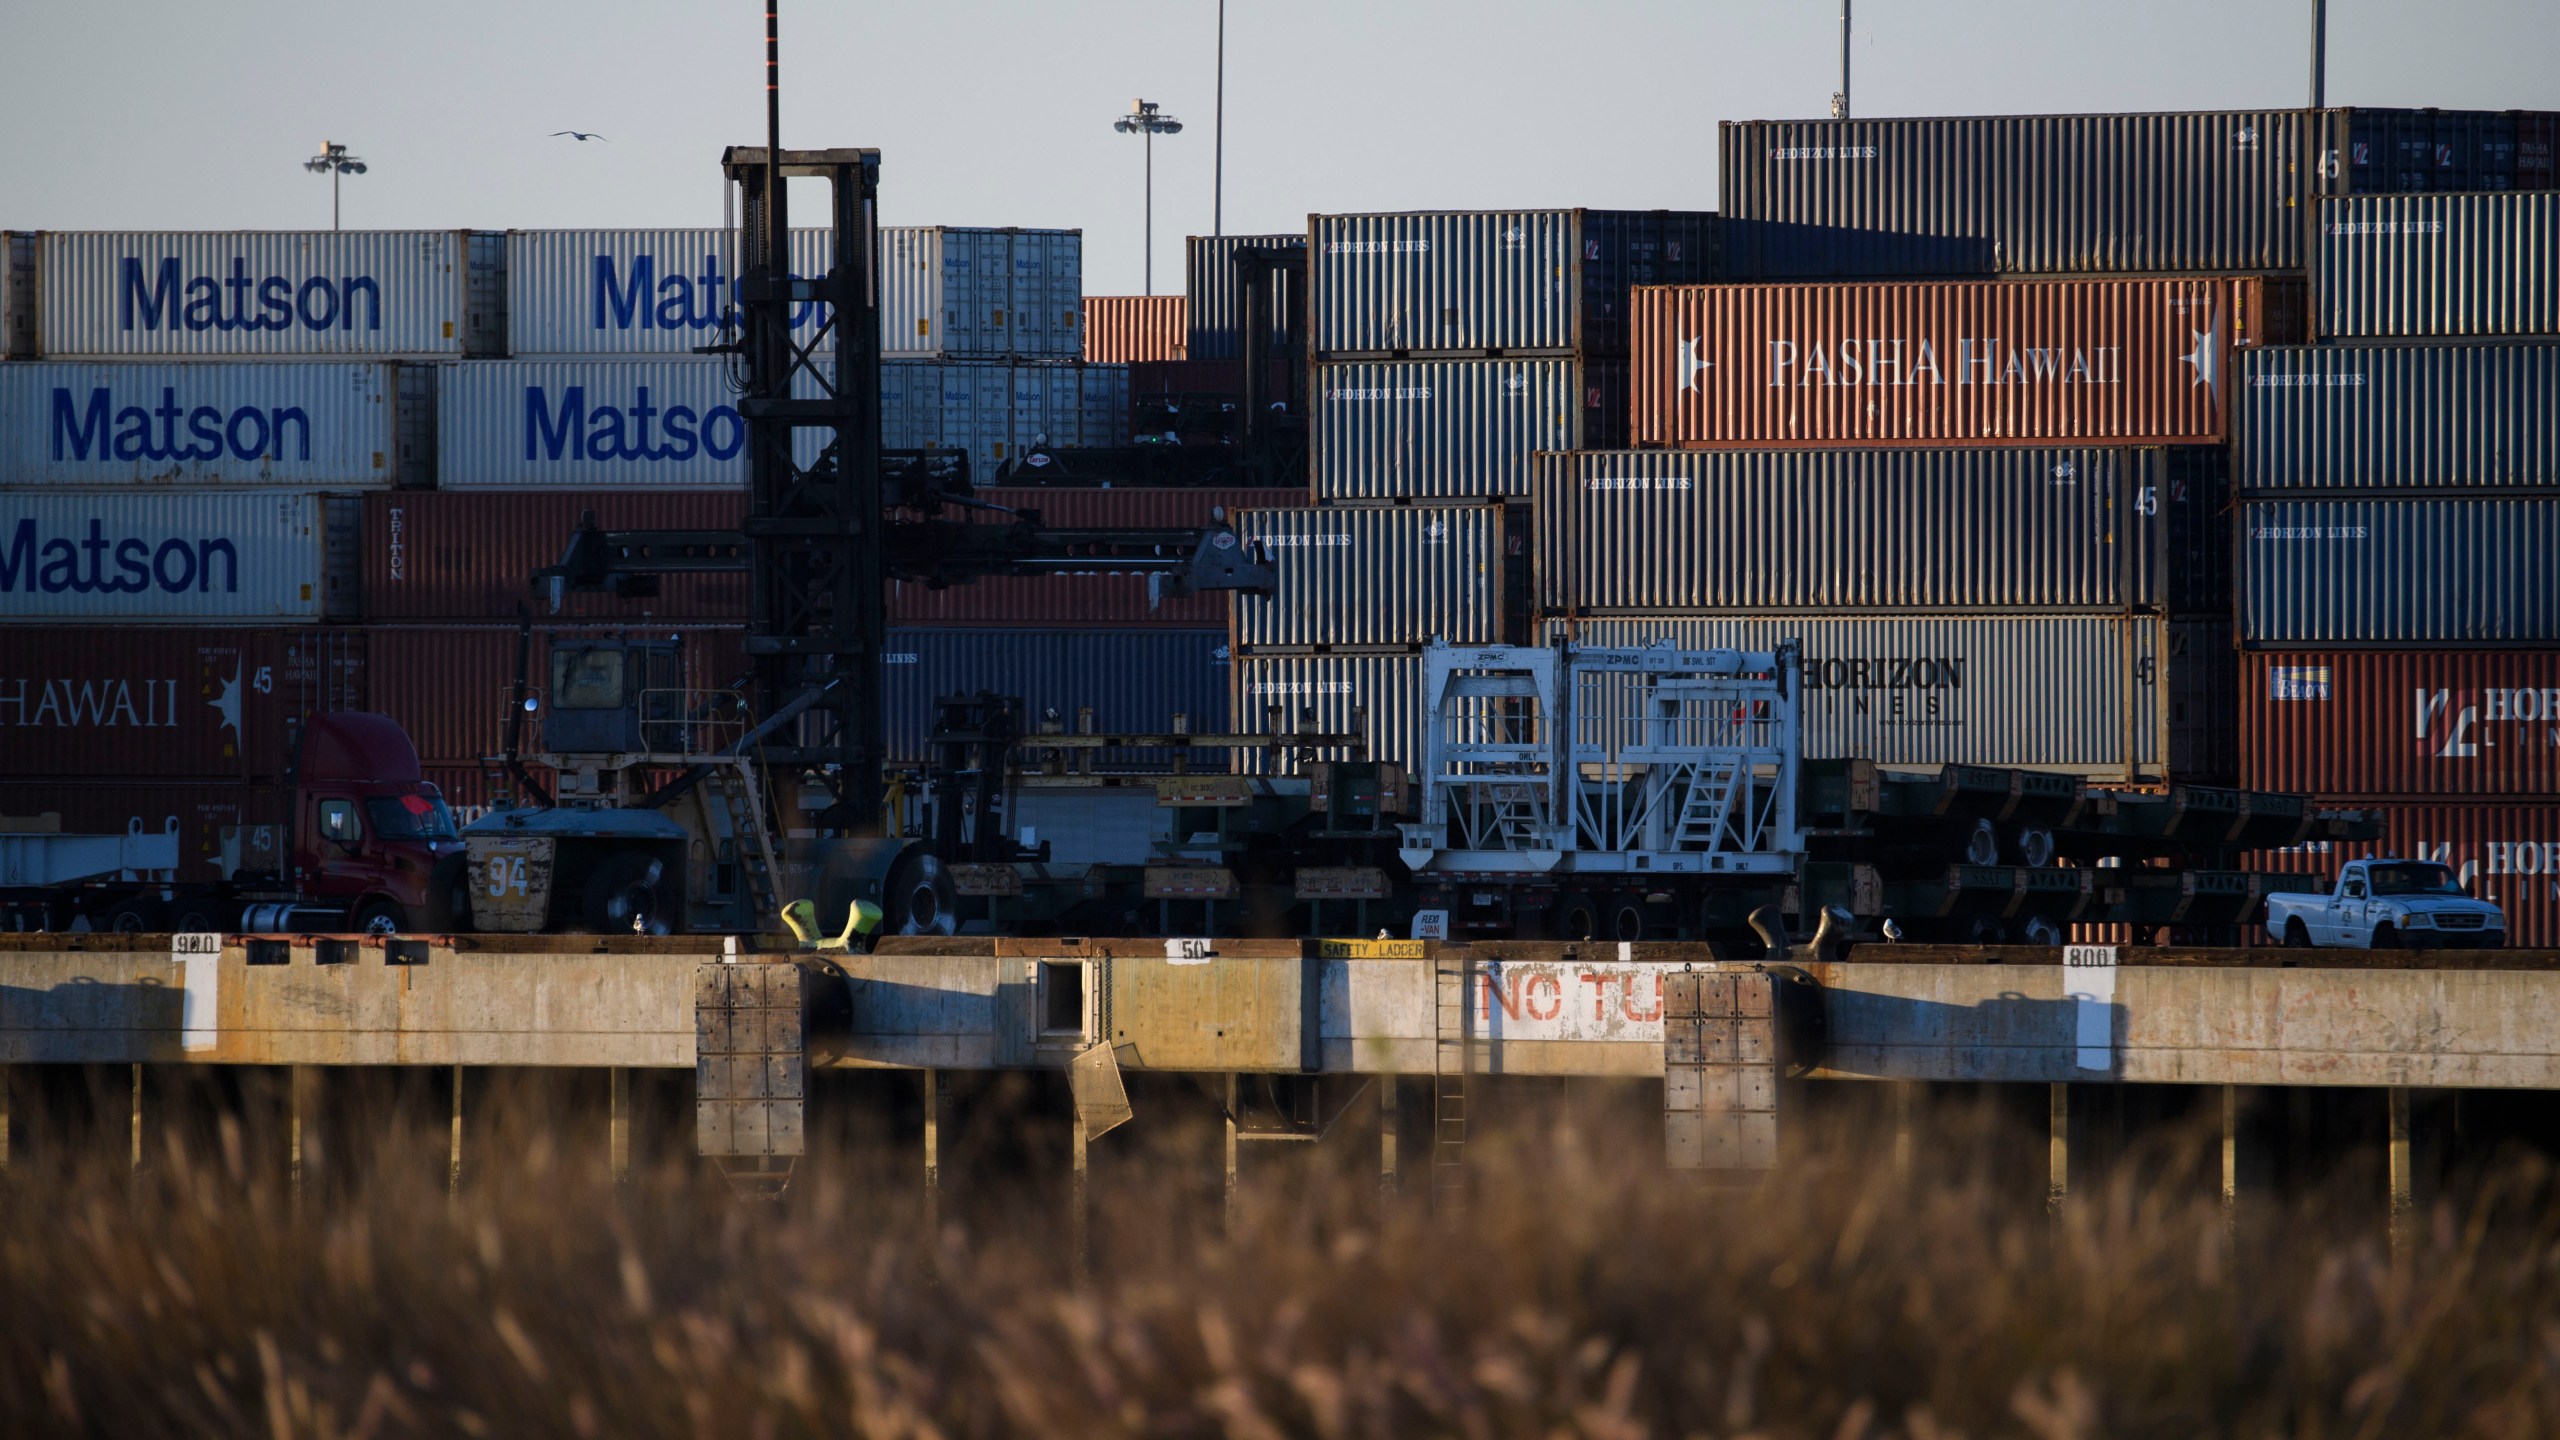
point(2508, 853)
point(208, 556)
point(239, 423)
point(2480, 723)
point(1135, 682)
point(375, 294)
point(1215, 301)
point(2084, 694)
point(1961, 530)
point(1445, 430)
point(1376, 694)
point(1373, 576)
point(186, 703)
point(2439, 266)
point(2401, 418)
point(1077, 599)
point(468, 556)
point(1127, 328)
point(1483, 282)
point(1947, 362)
point(2368, 573)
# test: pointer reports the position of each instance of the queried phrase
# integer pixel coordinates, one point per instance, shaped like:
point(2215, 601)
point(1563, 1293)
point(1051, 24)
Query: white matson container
point(193, 423)
point(258, 293)
point(188, 555)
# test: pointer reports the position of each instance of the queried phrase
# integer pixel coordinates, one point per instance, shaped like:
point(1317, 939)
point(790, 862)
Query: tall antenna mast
point(1840, 101)
point(2319, 54)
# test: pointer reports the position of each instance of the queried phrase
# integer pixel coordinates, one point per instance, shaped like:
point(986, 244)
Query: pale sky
point(182, 114)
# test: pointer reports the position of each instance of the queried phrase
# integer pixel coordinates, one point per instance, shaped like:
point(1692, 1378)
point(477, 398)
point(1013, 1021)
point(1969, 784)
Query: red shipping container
point(1948, 362)
point(1123, 328)
point(469, 555)
point(451, 687)
point(2401, 722)
point(1069, 599)
point(2509, 853)
point(242, 821)
point(185, 703)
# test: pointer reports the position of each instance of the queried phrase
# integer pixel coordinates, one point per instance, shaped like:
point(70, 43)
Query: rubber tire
point(2297, 936)
point(194, 917)
point(2033, 847)
point(620, 880)
point(1574, 916)
point(2386, 936)
point(129, 917)
point(2051, 933)
point(448, 907)
point(1981, 845)
point(1986, 930)
point(379, 917)
point(919, 898)
point(1626, 921)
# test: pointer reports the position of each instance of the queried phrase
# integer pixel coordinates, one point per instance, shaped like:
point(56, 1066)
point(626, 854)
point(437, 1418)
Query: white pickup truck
point(2389, 905)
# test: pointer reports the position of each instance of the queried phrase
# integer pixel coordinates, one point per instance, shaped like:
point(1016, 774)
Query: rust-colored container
point(2401, 722)
point(1068, 599)
point(123, 702)
point(450, 686)
point(2506, 851)
point(1948, 362)
point(1122, 328)
point(469, 555)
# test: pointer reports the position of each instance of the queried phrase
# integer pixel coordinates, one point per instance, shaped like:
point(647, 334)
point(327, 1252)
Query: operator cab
point(616, 697)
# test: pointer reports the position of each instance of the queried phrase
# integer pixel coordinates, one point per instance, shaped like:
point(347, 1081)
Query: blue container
point(1388, 430)
point(2387, 573)
point(1134, 680)
point(2440, 267)
point(1496, 282)
point(2397, 418)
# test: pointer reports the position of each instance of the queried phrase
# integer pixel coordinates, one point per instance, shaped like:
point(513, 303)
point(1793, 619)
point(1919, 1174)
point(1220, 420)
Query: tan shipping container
point(1121, 329)
point(1995, 362)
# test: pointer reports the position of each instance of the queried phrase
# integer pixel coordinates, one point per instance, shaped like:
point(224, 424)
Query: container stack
point(2400, 542)
point(1134, 329)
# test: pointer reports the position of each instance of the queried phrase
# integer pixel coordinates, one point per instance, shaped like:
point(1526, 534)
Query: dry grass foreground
point(1586, 1292)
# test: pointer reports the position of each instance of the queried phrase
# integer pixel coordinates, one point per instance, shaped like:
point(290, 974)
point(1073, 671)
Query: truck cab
point(2389, 904)
point(372, 838)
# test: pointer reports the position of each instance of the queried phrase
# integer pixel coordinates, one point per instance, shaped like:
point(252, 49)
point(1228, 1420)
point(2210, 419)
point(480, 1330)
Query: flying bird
point(580, 135)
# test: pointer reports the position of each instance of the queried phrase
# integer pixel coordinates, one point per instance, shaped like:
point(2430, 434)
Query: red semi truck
point(355, 840)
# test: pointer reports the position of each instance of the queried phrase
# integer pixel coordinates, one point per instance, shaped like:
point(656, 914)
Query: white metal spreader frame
point(1604, 761)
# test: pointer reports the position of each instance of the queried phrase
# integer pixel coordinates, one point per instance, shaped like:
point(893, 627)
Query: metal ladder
point(735, 784)
point(1452, 1058)
point(1706, 809)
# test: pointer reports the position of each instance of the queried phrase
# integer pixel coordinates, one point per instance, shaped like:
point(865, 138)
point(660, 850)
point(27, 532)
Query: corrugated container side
point(2397, 418)
point(186, 703)
point(452, 687)
point(123, 294)
point(1045, 318)
point(1496, 281)
point(414, 419)
point(2509, 854)
point(2052, 194)
point(188, 424)
point(1767, 251)
point(2476, 266)
point(1454, 429)
point(246, 820)
point(470, 555)
point(2399, 572)
point(2083, 694)
point(2401, 722)
point(1376, 696)
point(1370, 576)
point(1126, 328)
point(484, 295)
point(179, 555)
point(1077, 600)
point(1134, 681)
point(1216, 301)
point(2203, 689)
point(1947, 362)
point(341, 558)
point(647, 292)
point(594, 425)
point(1961, 530)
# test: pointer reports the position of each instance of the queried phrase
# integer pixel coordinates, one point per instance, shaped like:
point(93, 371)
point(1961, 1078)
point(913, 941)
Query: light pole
point(333, 161)
point(1146, 120)
point(1218, 138)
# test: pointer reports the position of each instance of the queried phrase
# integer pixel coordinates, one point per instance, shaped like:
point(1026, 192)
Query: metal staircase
point(733, 783)
point(1452, 1059)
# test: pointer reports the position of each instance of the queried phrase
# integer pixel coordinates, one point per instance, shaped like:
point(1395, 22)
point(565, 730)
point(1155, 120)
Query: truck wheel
point(448, 909)
point(378, 917)
point(193, 917)
point(1981, 844)
point(131, 917)
point(1626, 922)
point(2296, 935)
point(627, 894)
point(2033, 845)
point(2385, 937)
point(919, 900)
point(1573, 917)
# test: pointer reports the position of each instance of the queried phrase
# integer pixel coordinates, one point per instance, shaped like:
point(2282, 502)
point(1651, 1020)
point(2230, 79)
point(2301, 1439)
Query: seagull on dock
point(580, 135)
